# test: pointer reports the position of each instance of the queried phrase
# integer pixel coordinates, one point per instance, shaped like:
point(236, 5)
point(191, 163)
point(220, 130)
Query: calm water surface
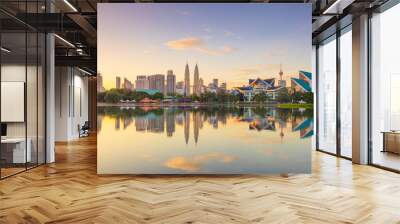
point(203, 140)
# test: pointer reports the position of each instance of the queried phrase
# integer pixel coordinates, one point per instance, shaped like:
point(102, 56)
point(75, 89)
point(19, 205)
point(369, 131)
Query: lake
point(208, 139)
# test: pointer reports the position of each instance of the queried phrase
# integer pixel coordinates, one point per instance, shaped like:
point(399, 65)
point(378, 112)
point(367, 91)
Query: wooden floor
point(69, 191)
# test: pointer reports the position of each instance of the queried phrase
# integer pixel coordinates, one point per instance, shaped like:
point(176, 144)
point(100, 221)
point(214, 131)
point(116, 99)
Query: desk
point(19, 155)
point(391, 141)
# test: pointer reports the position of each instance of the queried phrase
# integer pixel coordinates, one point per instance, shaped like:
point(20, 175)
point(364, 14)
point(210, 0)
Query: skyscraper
point(170, 82)
point(128, 84)
point(157, 82)
point(142, 82)
point(180, 88)
point(118, 82)
point(215, 83)
point(187, 81)
point(196, 81)
point(100, 87)
point(201, 83)
point(223, 87)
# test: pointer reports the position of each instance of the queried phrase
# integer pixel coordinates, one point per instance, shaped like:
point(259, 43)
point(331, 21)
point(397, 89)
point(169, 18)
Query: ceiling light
point(64, 40)
point(70, 5)
point(5, 50)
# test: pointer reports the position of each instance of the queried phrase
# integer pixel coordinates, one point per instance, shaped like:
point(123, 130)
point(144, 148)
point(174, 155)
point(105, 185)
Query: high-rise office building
point(215, 83)
point(128, 84)
point(118, 82)
point(171, 82)
point(157, 82)
point(196, 81)
point(223, 87)
point(187, 81)
point(142, 82)
point(100, 87)
point(201, 83)
point(180, 88)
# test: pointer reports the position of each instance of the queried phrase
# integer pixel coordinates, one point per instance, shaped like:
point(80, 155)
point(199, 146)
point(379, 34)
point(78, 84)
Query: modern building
point(100, 86)
point(157, 82)
point(171, 83)
point(49, 78)
point(187, 81)
point(128, 85)
point(258, 86)
point(223, 87)
point(180, 88)
point(118, 82)
point(215, 83)
point(196, 81)
point(303, 83)
point(202, 87)
point(148, 91)
point(141, 82)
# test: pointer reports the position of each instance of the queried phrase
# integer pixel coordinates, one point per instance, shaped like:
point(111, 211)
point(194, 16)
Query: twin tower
point(196, 81)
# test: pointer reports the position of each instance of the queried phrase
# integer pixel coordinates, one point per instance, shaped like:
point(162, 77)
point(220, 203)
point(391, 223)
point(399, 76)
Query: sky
point(233, 42)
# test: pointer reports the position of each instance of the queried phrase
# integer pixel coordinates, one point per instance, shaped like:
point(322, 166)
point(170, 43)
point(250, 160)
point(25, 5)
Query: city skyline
point(231, 51)
point(171, 84)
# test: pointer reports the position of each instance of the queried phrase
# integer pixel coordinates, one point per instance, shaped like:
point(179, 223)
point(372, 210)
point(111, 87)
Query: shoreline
point(279, 105)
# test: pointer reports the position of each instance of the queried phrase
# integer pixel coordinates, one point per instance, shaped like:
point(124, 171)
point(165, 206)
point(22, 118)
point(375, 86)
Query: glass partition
point(385, 89)
point(13, 115)
point(22, 88)
point(327, 95)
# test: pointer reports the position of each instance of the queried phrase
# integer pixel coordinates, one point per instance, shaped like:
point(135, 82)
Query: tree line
point(283, 96)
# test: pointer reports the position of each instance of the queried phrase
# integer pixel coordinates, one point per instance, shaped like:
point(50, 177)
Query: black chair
point(84, 130)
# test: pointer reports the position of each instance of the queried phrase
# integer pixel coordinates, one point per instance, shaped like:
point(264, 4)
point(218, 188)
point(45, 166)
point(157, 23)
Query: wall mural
point(204, 88)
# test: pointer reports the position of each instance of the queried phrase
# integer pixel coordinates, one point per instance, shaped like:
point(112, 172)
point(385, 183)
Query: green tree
point(297, 96)
point(112, 96)
point(100, 96)
point(308, 97)
point(283, 96)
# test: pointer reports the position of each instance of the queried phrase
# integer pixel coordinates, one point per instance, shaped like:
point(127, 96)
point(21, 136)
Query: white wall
point(71, 102)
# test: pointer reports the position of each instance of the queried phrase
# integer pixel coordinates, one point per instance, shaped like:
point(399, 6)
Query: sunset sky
point(231, 42)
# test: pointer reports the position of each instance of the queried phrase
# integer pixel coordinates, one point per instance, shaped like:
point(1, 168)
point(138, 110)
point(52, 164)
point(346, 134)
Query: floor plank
point(69, 191)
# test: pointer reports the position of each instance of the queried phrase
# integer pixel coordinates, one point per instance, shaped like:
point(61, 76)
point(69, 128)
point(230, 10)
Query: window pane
point(385, 82)
point(327, 96)
point(13, 86)
point(346, 94)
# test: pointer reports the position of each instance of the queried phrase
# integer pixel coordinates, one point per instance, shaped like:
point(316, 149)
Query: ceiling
point(75, 21)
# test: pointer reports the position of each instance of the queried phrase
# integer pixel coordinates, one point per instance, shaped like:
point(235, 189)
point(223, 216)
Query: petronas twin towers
point(196, 81)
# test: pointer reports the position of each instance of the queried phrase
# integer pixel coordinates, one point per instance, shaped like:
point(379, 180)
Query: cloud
point(197, 44)
point(185, 43)
point(195, 163)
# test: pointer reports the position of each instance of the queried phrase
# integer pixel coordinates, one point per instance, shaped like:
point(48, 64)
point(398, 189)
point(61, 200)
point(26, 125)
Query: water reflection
point(160, 120)
point(207, 139)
